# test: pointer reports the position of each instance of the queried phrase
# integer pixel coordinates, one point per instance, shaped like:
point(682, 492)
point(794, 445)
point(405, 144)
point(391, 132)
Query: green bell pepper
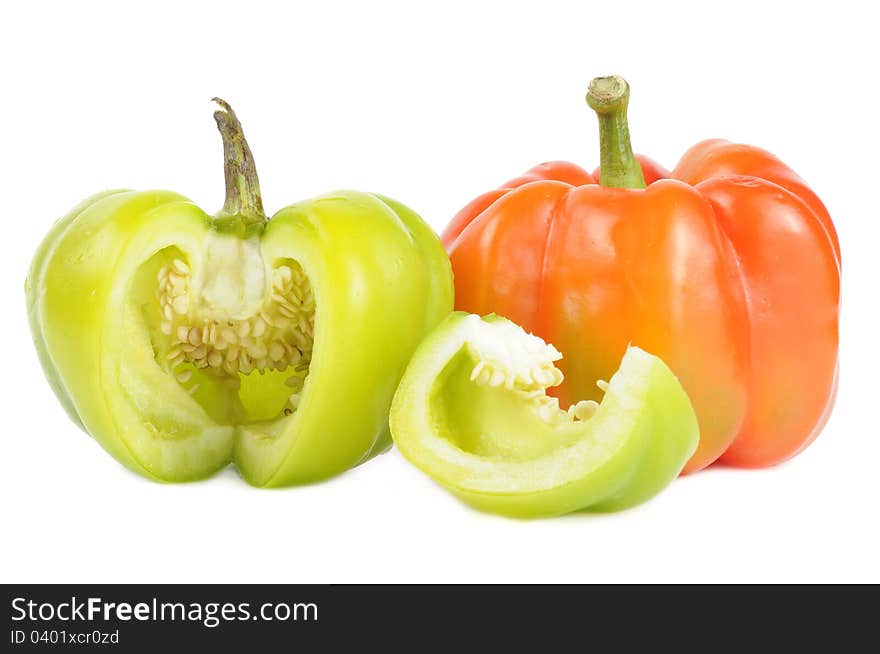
point(473, 413)
point(182, 341)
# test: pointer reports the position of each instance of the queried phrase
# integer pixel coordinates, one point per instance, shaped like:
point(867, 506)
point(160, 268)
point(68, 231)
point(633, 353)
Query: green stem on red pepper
point(242, 211)
point(609, 97)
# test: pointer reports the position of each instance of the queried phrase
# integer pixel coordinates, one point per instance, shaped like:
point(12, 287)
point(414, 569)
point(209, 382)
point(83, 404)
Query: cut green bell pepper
point(182, 341)
point(472, 412)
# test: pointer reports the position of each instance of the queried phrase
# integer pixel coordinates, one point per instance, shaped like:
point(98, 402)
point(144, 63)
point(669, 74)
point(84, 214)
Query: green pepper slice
point(182, 341)
point(472, 412)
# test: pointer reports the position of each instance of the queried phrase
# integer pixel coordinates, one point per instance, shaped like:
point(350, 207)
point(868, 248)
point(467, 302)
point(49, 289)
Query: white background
point(431, 106)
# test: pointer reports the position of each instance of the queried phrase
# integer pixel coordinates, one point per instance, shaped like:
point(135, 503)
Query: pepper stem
point(609, 97)
point(243, 209)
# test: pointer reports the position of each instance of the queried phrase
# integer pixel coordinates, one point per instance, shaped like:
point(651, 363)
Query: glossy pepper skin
point(380, 279)
point(728, 268)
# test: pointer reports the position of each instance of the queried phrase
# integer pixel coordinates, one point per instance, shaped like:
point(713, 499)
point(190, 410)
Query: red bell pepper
point(728, 268)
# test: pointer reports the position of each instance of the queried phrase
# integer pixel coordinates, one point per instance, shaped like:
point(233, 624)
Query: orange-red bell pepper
point(728, 268)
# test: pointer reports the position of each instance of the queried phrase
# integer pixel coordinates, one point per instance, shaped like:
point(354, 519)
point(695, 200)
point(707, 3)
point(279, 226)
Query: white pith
point(509, 357)
point(235, 317)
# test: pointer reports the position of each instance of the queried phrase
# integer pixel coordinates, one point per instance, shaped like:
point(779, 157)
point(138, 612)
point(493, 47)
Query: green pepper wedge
point(472, 412)
point(182, 342)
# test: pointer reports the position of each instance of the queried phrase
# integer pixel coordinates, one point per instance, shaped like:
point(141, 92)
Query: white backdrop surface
point(431, 105)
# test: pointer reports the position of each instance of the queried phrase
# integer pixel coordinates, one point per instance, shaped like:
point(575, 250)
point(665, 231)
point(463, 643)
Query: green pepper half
point(473, 413)
point(182, 341)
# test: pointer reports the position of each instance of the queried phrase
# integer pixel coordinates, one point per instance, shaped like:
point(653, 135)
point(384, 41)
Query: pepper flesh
point(380, 280)
point(728, 268)
point(471, 413)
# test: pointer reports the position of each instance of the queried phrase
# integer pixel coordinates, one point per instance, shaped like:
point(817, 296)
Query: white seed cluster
point(279, 336)
point(538, 377)
point(533, 383)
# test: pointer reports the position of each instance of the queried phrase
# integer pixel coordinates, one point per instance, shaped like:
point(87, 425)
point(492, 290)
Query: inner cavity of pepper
point(531, 382)
point(277, 338)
